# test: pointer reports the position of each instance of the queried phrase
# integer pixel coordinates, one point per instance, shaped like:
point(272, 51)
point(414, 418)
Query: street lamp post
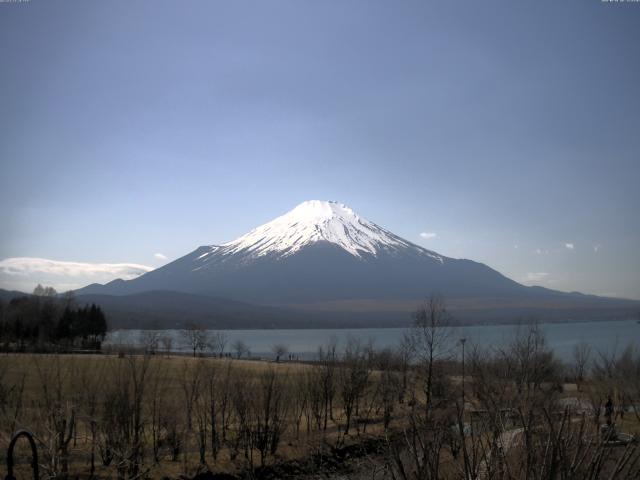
point(462, 432)
point(463, 341)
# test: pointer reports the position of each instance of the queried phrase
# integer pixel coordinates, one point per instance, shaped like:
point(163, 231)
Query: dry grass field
point(174, 399)
point(128, 415)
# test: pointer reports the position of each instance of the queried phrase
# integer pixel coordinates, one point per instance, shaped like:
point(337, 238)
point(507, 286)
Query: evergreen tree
point(44, 318)
point(65, 325)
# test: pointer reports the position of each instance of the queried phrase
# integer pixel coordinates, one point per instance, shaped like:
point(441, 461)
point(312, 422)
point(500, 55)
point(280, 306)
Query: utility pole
point(463, 341)
point(461, 420)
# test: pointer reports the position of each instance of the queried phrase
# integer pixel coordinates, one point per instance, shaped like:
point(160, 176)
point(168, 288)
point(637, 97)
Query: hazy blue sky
point(511, 131)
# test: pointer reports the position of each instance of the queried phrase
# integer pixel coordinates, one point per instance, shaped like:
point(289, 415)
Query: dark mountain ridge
point(322, 255)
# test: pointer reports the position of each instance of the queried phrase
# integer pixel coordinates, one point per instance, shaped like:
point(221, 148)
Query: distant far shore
point(303, 344)
point(384, 325)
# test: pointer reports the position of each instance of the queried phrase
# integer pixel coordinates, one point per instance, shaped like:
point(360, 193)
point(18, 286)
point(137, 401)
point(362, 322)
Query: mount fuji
point(322, 258)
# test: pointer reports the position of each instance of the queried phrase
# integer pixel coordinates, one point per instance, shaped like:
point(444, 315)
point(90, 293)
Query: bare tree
point(57, 413)
point(203, 407)
point(629, 378)
point(191, 379)
point(11, 396)
point(90, 380)
point(150, 339)
point(315, 388)
point(211, 402)
point(157, 408)
point(195, 337)
point(218, 343)
point(389, 384)
point(167, 344)
point(327, 370)
point(354, 374)
point(242, 433)
point(138, 370)
point(532, 360)
point(615, 375)
point(171, 425)
point(269, 412)
point(534, 438)
point(240, 348)
point(405, 354)
point(279, 350)
point(581, 358)
point(224, 400)
point(431, 335)
point(123, 420)
point(299, 395)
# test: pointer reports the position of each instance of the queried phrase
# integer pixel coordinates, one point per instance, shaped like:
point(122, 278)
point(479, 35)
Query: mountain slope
point(166, 309)
point(318, 251)
point(321, 253)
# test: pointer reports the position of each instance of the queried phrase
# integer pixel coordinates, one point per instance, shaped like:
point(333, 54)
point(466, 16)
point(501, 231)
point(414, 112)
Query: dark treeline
point(44, 321)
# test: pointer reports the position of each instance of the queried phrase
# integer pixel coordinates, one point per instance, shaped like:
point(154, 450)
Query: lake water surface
point(561, 337)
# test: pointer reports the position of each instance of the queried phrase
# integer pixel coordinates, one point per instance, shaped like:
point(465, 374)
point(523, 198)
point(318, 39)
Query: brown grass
point(40, 371)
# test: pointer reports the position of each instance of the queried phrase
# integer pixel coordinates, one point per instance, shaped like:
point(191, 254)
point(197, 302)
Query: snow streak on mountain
point(324, 263)
point(316, 221)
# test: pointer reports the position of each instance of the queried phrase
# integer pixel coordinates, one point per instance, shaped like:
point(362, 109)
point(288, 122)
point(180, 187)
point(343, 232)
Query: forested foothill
point(47, 322)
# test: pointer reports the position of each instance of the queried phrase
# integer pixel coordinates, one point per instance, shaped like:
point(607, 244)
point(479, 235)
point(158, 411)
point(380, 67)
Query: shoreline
point(512, 323)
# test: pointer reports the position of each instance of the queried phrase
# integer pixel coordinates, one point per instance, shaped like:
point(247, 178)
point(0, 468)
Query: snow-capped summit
point(323, 261)
point(319, 251)
point(315, 221)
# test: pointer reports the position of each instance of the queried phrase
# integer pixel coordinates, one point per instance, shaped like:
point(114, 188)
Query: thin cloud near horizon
point(24, 273)
point(536, 276)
